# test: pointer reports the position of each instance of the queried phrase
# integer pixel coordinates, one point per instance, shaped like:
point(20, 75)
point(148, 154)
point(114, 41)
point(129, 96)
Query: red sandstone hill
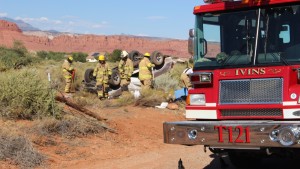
point(9, 32)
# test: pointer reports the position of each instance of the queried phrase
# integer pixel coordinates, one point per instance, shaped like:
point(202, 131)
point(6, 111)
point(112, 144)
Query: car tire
point(135, 57)
point(88, 76)
point(157, 58)
point(115, 79)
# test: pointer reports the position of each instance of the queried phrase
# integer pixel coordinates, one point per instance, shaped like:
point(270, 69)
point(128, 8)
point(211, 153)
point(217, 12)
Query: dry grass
point(68, 127)
point(19, 150)
point(151, 98)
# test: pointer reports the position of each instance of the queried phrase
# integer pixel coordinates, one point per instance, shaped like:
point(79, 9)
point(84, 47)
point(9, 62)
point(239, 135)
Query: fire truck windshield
point(237, 39)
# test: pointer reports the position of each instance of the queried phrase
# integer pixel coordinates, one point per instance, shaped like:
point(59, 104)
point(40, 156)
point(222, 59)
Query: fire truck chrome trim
point(260, 133)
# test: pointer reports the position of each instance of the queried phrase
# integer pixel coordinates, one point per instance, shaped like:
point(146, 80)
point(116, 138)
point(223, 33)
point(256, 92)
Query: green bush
point(79, 57)
point(114, 56)
point(15, 58)
point(57, 56)
point(25, 94)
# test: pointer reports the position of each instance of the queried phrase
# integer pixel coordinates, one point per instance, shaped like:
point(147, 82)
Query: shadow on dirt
point(274, 163)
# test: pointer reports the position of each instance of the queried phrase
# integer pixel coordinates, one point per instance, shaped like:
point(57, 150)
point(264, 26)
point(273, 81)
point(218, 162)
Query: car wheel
point(157, 58)
point(135, 57)
point(115, 79)
point(88, 76)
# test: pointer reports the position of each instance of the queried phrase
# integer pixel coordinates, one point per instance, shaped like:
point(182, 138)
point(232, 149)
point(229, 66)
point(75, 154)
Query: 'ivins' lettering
point(258, 71)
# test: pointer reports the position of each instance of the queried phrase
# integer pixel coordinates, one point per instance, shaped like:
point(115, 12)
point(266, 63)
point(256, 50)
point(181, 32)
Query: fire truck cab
point(245, 99)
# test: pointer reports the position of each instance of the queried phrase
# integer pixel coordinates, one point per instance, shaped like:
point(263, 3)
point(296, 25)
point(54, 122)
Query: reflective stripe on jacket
point(67, 69)
point(125, 68)
point(145, 71)
point(101, 73)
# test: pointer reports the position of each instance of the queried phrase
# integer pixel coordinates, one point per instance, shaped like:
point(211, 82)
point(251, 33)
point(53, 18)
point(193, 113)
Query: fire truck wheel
point(135, 57)
point(88, 76)
point(157, 58)
point(115, 79)
point(243, 159)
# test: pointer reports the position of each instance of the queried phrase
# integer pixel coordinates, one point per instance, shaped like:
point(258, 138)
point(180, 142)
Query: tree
point(115, 56)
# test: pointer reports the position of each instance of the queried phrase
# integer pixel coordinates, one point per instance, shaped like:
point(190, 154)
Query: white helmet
point(124, 54)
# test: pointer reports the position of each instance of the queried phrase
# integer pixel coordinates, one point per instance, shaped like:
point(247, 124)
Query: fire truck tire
point(115, 78)
point(242, 159)
point(157, 58)
point(135, 57)
point(88, 76)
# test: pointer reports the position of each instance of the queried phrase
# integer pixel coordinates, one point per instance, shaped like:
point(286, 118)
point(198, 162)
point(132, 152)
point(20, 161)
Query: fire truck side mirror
point(191, 42)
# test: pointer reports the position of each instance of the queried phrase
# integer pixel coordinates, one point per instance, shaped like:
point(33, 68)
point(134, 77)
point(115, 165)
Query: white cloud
point(41, 19)
point(57, 22)
point(97, 26)
point(156, 17)
point(3, 14)
point(66, 24)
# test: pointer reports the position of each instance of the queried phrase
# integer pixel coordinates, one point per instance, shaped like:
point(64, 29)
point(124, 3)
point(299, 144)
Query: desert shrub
point(19, 150)
point(127, 98)
point(114, 56)
point(15, 58)
point(25, 95)
point(83, 98)
point(170, 81)
point(166, 82)
point(69, 126)
point(151, 98)
point(57, 56)
point(79, 56)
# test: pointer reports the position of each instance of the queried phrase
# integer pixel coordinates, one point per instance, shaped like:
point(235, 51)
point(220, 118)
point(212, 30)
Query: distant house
point(93, 57)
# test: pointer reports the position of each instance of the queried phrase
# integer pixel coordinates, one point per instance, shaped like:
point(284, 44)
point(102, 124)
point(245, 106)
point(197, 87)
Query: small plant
point(19, 149)
point(69, 126)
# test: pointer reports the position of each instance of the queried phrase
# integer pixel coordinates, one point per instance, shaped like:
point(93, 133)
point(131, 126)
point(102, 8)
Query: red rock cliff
point(90, 43)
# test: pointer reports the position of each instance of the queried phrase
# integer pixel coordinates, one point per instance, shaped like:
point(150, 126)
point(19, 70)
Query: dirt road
point(138, 145)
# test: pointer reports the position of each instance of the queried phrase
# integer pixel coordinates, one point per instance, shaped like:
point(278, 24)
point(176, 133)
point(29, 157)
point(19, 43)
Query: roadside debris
point(163, 105)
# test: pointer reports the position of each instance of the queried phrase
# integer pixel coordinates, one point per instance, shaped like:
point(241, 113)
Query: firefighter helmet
point(102, 58)
point(124, 54)
point(147, 54)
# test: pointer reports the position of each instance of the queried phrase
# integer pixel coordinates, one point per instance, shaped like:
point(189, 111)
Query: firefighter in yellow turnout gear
point(186, 79)
point(68, 70)
point(102, 72)
point(125, 68)
point(145, 72)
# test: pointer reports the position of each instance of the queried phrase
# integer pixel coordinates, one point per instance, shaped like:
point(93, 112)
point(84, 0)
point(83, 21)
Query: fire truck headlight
point(205, 78)
point(197, 99)
point(288, 136)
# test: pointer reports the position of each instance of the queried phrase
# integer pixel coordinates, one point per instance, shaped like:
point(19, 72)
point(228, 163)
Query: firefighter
point(68, 71)
point(125, 68)
point(145, 72)
point(102, 72)
point(185, 77)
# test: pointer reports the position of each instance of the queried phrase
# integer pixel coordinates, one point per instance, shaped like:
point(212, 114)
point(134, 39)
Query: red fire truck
point(245, 99)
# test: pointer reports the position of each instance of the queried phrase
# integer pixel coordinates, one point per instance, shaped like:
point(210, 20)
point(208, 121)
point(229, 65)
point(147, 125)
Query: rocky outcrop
point(9, 26)
point(9, 32)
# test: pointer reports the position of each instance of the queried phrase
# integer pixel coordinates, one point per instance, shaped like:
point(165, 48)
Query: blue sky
point(155, 18)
